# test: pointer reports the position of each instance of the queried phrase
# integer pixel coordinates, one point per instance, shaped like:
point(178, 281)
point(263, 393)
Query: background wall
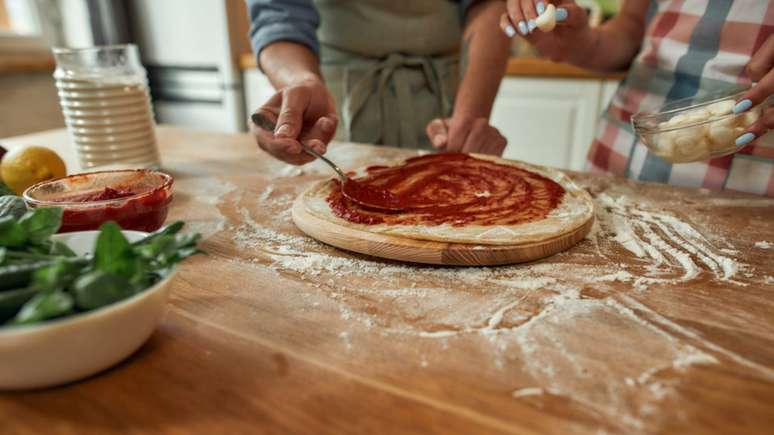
point(28, 103)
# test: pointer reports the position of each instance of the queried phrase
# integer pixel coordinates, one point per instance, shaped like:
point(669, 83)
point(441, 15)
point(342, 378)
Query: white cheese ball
point(678, 120)
point(721, 107)
point(721, 136)
point(689, 148)
point(664, 143)
point(547, 20)
point(749, 118)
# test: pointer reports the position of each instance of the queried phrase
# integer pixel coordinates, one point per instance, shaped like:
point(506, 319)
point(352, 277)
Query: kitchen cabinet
point(548, 121)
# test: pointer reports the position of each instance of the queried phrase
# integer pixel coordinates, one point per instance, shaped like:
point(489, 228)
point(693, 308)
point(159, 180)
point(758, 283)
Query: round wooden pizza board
point(430, 252)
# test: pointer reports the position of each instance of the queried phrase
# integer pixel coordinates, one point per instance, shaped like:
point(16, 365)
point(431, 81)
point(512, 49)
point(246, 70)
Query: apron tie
point(396, 125)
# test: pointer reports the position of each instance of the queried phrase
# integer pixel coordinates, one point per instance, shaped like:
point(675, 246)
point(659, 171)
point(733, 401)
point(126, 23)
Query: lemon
point(22, 167)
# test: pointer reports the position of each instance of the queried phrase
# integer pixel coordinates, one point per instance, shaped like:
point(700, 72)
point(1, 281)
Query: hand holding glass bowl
point(697, 128)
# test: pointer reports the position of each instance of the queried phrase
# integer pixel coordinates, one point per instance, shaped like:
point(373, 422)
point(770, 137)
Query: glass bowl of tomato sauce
point(136, 199)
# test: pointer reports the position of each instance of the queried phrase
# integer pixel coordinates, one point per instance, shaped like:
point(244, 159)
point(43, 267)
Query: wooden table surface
point(661, 321)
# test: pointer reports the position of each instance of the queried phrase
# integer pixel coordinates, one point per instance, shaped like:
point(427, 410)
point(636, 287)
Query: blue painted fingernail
point(743, 105)
point(561, 14)
point(745, 139)
point(531, 25)
point(510, 31)
point(541, 7)
point(523, 27)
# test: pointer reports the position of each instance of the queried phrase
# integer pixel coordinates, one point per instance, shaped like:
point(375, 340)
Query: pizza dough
point(570, 212)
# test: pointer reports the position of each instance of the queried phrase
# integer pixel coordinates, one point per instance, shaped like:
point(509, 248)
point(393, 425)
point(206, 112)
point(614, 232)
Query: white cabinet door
point(258, 90)
point(548, 121)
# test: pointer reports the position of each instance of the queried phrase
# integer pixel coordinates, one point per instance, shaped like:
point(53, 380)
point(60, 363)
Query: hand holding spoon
point(366, 196)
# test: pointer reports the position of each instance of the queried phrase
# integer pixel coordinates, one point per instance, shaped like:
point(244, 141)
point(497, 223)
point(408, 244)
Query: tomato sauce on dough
point(455, 189)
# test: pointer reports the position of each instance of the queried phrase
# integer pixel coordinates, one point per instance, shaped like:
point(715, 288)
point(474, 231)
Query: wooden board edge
point(431, 252)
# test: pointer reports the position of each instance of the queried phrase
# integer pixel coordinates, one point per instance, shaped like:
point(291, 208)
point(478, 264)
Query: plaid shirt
point(690, 47)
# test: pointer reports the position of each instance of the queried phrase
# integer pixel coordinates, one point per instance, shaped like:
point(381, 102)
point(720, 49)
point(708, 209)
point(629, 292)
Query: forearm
point(287, 63)
point(485, 51)
point(613, 45)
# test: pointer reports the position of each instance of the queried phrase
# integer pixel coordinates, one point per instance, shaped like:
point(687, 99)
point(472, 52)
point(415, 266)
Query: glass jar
point(103, 92)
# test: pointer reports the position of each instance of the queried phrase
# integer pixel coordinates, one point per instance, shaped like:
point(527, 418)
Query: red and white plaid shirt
point(690, 47)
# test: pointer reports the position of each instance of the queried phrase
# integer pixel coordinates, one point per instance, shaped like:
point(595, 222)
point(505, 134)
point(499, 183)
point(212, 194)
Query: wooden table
point(662, 321)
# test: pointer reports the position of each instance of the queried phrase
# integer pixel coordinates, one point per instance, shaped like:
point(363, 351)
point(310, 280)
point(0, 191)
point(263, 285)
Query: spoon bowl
point(367, 196)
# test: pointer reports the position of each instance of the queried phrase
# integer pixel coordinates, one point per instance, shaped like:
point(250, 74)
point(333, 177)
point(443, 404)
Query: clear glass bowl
point(134, 199)
point(697, 128)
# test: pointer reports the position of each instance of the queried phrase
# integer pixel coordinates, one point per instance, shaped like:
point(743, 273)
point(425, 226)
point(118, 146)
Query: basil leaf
point(57, 247)
point(3, 255)
point(164, 244)
point(99, 288)
point(44, 306)
point(12, 233)
point(169, 230)
point(113, 253)
point(41, 223)
point(11, 301)
point(57, 276)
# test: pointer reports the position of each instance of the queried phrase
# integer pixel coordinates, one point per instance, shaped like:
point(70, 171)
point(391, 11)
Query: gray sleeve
point(283, 20)
point(464, 6)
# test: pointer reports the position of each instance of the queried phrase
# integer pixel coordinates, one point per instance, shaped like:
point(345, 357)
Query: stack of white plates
point(110, 123)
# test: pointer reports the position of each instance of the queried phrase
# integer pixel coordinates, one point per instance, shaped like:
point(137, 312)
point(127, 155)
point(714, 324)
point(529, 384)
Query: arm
point(283, 34)
point(616, 42)
point(485, 52)
point(483, 57)
point(609, 47)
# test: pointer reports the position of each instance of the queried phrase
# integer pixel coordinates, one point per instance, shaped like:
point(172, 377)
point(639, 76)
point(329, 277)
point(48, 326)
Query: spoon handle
point(267, 124)
point(314, 153)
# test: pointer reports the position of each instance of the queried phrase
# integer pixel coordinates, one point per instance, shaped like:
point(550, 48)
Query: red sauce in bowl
point(139, 200)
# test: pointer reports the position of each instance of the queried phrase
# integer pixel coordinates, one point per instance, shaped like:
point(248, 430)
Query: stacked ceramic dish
point(109, 122)
point(105, 101)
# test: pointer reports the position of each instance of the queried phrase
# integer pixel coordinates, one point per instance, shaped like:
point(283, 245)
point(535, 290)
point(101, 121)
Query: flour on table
point(523, 318)
point(526, 392)
point(763, 244)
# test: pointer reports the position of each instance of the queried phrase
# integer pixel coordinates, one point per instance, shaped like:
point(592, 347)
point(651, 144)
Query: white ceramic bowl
point(72, 348)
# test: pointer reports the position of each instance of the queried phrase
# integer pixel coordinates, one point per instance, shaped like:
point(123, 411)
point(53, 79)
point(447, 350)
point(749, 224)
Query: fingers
point(496, 143)
point(437, 132)
point(291, 115)
point(516, 18)
point(757, 129)
point(529, 12)
point(570, 15)
point(459, 129)
point(287, 150)
point(507, 27)
point(320, 134)
point(762, 61)
point(484, 139)
point(757, 94)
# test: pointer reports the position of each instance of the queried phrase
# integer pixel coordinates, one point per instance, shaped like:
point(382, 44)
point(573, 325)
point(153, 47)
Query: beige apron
point(391, 66)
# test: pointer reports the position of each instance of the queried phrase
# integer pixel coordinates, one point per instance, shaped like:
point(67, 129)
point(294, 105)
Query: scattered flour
point(524, 317)
point(526, 392)
point(763, 244)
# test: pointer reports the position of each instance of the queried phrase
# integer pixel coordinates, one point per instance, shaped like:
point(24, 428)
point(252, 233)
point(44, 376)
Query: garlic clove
point(547, 20)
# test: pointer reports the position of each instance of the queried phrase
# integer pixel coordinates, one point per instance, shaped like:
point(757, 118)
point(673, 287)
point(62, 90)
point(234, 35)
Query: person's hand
point(467, 135)
point(303, 112)
point(567, 42)
point(760, 71)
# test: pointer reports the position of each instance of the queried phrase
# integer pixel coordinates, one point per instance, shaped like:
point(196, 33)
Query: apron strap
point(396, 125)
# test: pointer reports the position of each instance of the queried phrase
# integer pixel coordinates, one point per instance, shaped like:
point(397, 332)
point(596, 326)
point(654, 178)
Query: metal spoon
point(367, 196)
